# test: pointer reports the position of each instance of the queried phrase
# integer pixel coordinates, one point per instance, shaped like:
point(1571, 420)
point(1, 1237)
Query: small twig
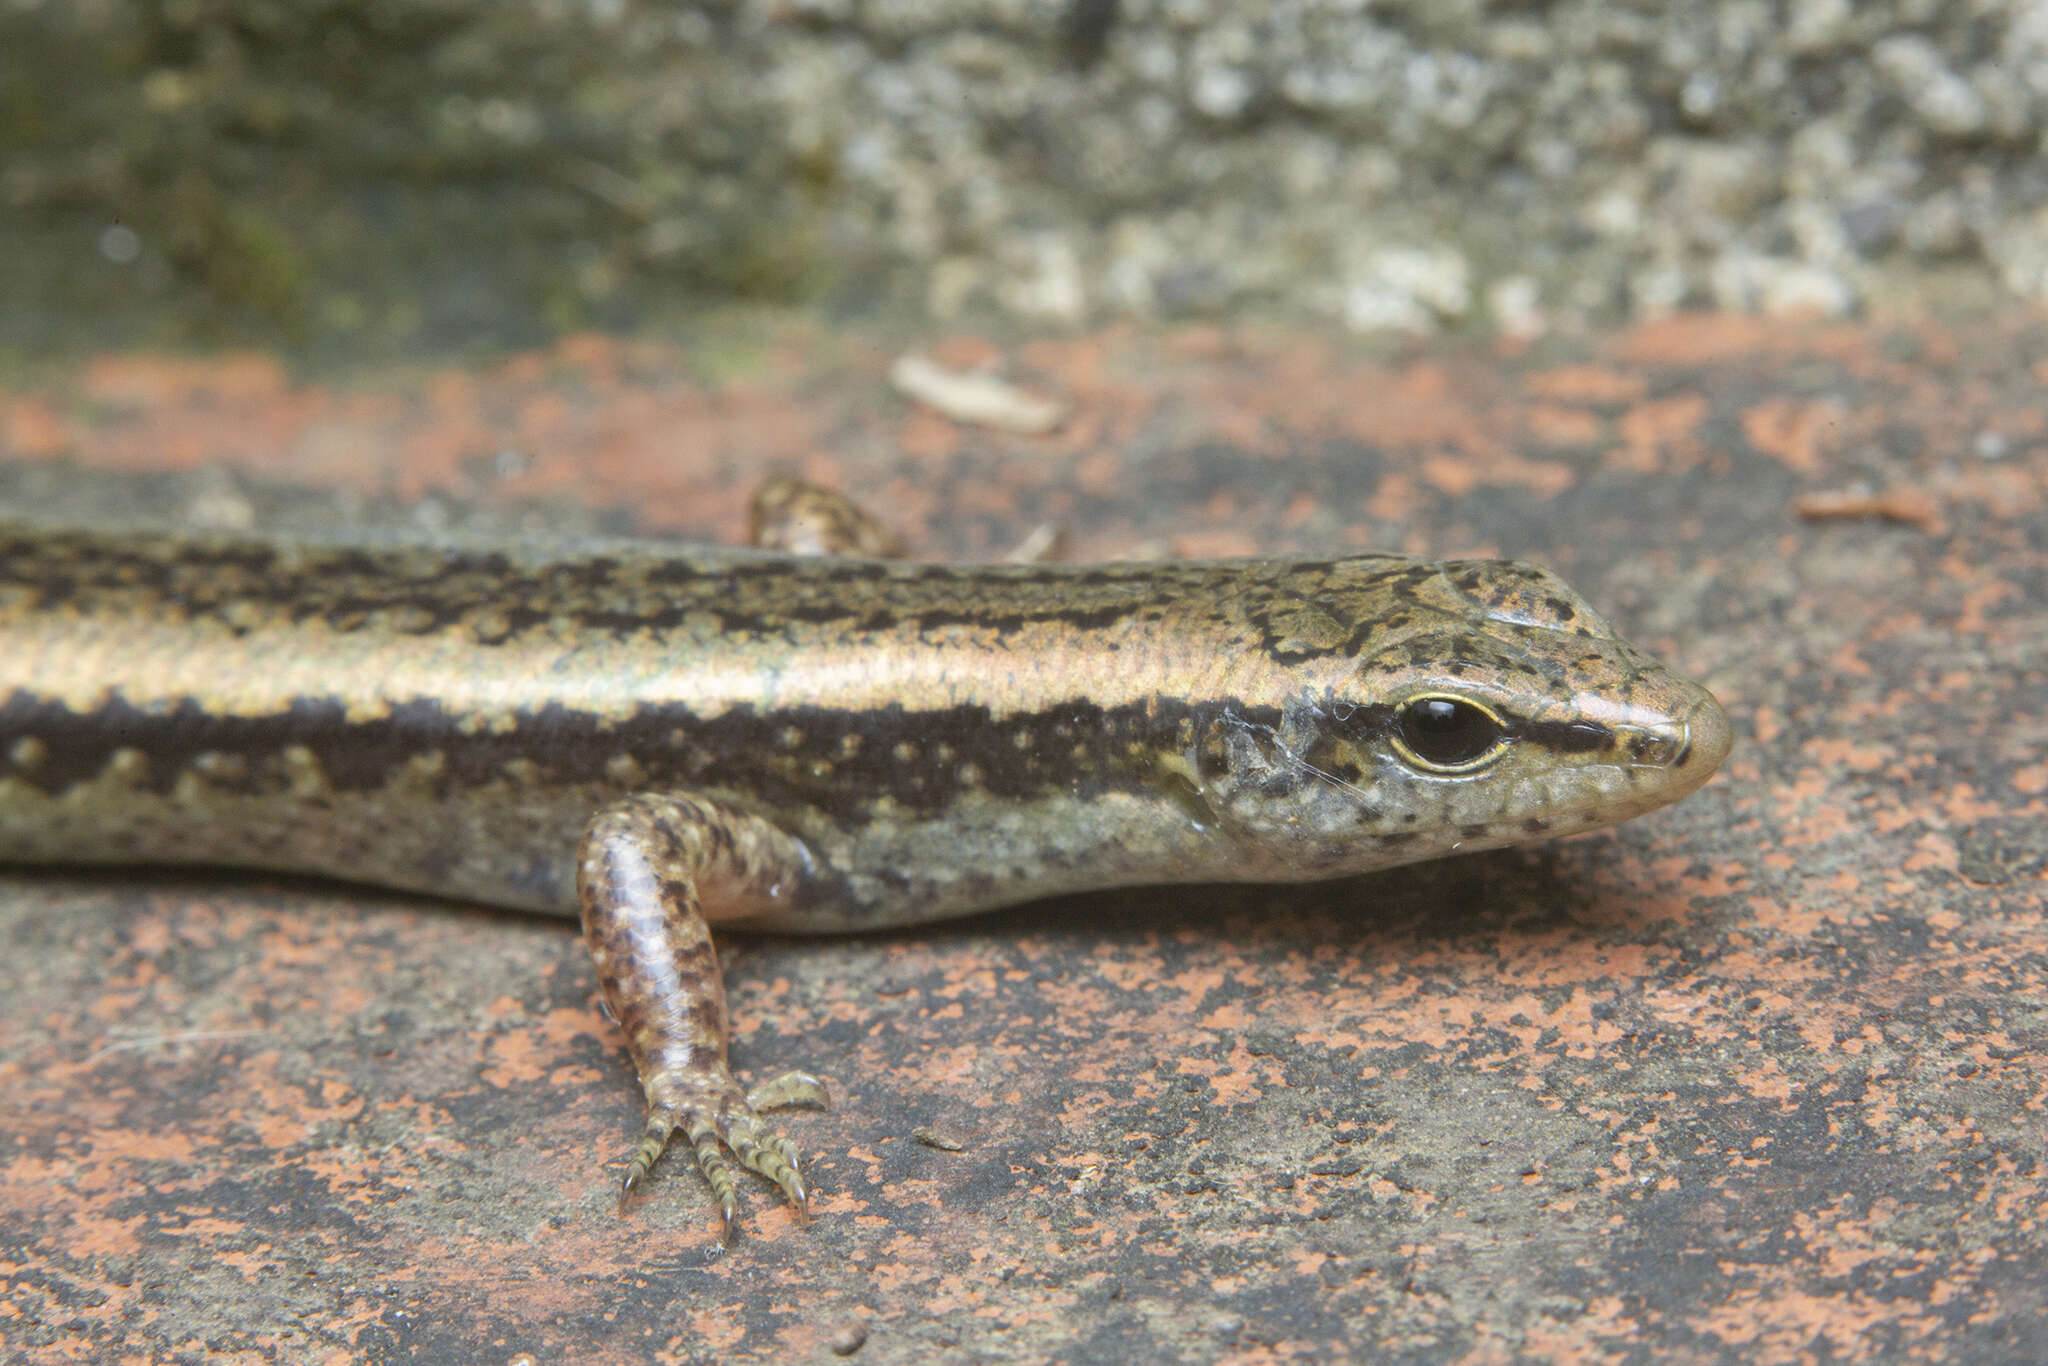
point(975, 397)
point(1911, 507)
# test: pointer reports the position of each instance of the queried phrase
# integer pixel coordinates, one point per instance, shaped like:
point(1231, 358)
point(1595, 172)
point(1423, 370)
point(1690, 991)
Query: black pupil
point(1447, 732)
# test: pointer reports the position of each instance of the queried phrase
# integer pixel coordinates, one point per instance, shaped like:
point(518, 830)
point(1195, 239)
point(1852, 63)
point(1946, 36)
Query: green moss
point(375, 175)
point(241, 256)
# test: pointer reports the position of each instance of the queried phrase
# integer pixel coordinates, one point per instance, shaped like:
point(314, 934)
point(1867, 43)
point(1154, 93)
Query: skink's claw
point(660, 1125)
point(719, 1119)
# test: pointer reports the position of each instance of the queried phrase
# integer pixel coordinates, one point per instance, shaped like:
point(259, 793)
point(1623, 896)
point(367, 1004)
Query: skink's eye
point(1447, 734)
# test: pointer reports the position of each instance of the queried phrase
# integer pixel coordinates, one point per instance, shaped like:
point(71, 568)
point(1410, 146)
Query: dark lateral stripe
point(1566, 737)
point(1371, 724)
point(835, 761)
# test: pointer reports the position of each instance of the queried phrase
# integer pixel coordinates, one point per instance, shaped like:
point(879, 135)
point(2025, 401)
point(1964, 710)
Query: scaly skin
point(662, 738)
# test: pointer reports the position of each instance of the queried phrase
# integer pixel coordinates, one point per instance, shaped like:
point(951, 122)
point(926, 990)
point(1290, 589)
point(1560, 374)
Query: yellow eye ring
point(1442, 733)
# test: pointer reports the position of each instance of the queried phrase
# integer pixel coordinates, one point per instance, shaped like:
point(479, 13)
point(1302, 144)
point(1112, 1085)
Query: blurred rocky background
point(393, 174)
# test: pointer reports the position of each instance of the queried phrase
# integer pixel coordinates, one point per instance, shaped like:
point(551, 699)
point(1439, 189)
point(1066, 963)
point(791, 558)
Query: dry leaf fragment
point(975, 397)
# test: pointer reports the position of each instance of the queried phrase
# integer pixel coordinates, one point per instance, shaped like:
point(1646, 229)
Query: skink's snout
point(1688, 742)
point(1704, 736)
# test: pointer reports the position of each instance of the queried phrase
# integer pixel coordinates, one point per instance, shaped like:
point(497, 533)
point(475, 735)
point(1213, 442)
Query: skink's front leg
point(654, 870)
point(651, 874)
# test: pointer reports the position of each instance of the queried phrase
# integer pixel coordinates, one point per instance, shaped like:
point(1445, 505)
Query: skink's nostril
point(1661, 747)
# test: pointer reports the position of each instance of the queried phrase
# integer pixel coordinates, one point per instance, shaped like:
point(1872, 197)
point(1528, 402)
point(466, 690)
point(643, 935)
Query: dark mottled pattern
point(634, 588)
point(1301, 608)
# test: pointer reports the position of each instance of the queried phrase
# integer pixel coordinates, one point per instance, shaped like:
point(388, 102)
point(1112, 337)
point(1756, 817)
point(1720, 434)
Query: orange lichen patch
point(1661, 435)
point(1797, 432)
point(1457, 476)
point(149, 381)
point(1550, 425)
point(1962, 805)
point(1394, 500)
point(1931, 851)
point(1973, 618)
point(596, 357)
point(1213, 545)
point(1848, 753)
point(1690, 339)
point(1586, 384)
point(1769, 1318)
point(33, 427)
point(520, 1059)
point(1419, 407)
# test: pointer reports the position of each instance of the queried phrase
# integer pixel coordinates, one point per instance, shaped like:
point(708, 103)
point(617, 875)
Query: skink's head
point(1491, 706)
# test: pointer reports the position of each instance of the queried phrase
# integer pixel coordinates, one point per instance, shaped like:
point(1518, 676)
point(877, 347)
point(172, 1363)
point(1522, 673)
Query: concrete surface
point(1760, 1078)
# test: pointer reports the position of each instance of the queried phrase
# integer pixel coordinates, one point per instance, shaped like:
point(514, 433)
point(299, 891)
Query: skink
point(661, 739)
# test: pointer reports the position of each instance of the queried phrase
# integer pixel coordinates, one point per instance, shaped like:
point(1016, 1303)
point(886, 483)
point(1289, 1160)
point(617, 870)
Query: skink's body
point(674, 736)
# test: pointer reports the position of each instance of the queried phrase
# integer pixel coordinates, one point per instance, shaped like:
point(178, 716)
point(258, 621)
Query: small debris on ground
point(848, 1337)
point(975, 397)
point(1911, 507)
point(1046, 542)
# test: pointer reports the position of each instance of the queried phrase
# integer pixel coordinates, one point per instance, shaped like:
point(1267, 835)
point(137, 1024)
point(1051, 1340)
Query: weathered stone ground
point(1759, 1078)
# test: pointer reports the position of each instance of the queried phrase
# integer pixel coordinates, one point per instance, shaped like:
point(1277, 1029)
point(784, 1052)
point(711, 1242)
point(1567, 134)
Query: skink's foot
point(716, 1118)
point(802, 518)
